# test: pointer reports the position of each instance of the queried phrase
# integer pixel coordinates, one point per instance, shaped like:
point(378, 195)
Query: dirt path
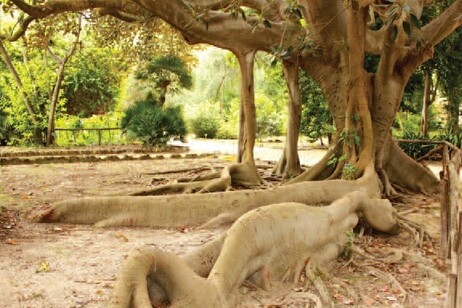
point(57, 265)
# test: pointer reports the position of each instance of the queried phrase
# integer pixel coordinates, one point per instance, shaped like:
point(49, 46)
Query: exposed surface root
point(418, 232)
point(406, 172)
point(321, 170)
point(258, 247)
point(238, 174)
point(197, 209)
point(314, 277)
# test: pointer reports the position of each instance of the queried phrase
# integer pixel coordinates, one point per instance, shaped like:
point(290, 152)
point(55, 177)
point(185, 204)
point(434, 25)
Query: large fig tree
point(329, 40)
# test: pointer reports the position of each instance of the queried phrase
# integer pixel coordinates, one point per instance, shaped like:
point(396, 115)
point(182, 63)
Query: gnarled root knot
point(259, 246)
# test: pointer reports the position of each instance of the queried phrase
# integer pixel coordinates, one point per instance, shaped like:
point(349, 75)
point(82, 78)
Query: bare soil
point(61, 265)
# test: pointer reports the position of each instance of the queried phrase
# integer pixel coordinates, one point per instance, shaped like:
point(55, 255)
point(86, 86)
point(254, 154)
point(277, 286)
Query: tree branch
point(59, 6)
point(19, 29)
point(445, 24)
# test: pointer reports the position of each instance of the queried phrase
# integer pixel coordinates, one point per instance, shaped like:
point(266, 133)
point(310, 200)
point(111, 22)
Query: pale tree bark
point(289, 163)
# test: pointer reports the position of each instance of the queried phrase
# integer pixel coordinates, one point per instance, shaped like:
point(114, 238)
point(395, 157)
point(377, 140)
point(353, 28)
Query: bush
point(153, 124)
point(205, 125)
point(6, 130)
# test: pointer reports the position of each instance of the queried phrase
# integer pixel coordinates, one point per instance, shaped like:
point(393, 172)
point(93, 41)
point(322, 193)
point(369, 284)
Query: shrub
point(5, 129)
point(153, 124)
point(205, 125)
point(454, 138)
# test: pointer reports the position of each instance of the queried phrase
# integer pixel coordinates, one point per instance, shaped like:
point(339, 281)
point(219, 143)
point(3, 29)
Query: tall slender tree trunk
point(453, 116)
point(54, 102)
point(241, 136)
point(289, 163)
point(425, 105)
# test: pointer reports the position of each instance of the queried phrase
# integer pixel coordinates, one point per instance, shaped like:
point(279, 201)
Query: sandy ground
point(58, 265)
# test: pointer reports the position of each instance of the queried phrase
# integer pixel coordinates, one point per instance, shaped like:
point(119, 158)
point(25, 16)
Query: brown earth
point(58, 265)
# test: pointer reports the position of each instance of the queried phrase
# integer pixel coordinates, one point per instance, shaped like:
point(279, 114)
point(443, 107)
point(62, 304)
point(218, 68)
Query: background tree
point(316, 118)
point(93, 80)
point(165, 73)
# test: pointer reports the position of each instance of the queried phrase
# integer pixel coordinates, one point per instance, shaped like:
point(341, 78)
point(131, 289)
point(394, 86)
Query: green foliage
point(37, 73)
point(205, 125)
point(6, 129)
point(85, 138)
point(270, 117)
point(349, 171)
point(166, 73)
point(316, 117)
point(153, 124)
point(347, 251)
point(220, 95)
point(454, 138)
point(92, 82)
point(163, 67)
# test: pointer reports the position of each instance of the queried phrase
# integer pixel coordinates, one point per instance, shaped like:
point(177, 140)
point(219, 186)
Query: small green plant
point(349, 171)
point(333, 159)
point(351, 236)
point(153, 124)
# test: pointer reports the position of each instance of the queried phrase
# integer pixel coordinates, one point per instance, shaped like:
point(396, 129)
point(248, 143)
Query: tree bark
point(425, 106)
point(289, 163)
point(246, 64)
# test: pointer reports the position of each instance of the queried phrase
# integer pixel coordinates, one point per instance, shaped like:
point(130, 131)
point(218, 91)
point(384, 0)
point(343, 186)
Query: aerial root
point(418, 232)
point(314, 277)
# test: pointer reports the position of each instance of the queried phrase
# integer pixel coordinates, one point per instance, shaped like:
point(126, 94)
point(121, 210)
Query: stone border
point(96, 155)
